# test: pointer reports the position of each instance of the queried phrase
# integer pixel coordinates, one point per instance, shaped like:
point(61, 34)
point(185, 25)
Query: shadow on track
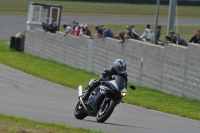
point(115, 124)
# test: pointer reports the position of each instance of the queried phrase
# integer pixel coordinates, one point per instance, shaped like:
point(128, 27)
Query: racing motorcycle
point(102, 100)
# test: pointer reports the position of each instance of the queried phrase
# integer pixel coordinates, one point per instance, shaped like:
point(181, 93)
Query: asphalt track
point(10, 25)
point(26, 96)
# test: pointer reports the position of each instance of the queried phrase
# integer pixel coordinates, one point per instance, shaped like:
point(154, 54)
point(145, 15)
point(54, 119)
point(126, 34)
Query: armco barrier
point(172, 69)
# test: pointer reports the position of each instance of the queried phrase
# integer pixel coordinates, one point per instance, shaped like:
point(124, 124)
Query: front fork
point(103, 103)
point(81, 100)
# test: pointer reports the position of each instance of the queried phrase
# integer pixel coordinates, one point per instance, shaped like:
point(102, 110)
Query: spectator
point(52, 27)
point(173, 37)
point(129, 32)
point(44, 25)
point(135, 34)
point(78, 31)
point(159, 28)
point(176, 39)
point(107, 32)
point(67, 29)
point(99, 31)
point(87, 31)
point(147, 35)
point(74, 25)
point(82, 31)
point(196, 38)
point(121, 36)
point(167, 40)
point(55, 26)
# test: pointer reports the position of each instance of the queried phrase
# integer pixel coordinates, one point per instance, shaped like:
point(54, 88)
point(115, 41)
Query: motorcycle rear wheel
point(104, 113)
point(79, 111)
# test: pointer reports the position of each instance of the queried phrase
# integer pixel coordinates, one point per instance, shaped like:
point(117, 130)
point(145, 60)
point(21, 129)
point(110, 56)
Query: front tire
point(104, 113)
point(79, 111)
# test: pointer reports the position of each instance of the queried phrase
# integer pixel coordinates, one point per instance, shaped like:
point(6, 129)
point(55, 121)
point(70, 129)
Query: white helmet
point(120, 66)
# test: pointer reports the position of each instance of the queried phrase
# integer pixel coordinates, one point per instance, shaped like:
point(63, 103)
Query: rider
point(119, 68)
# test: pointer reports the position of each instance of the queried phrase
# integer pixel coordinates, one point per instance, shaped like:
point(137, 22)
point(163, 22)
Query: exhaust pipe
point(80, 90)
point(80, 93)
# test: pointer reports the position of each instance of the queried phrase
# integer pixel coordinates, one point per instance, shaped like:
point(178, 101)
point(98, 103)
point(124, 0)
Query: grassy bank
point(103, 9)
point(12, 124)
point(71, 77)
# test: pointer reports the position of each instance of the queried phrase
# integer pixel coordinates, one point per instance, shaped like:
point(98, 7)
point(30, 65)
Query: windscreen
point(120, 82)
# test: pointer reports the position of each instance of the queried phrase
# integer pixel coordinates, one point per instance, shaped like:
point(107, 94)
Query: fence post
point(89, 57)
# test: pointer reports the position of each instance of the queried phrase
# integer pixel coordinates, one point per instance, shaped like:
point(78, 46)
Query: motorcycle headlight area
point(123, 94)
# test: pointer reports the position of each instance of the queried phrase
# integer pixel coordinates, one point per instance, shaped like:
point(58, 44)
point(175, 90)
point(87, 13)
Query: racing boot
point(89, 89)
point(87, 93)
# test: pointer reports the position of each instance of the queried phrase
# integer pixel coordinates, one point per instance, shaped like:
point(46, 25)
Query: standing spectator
point(87, 31)
point(99, 31)
point(107, 33)
point(159, 28)
point(67, 29)
point(196, 38)
point(147, 35)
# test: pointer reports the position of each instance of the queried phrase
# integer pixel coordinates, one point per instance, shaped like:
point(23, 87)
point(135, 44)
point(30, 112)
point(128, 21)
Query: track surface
point(10, 25)
point(30, 97)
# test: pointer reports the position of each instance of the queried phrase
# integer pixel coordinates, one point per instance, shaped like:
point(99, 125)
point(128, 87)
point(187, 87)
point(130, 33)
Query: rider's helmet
point(120, 66)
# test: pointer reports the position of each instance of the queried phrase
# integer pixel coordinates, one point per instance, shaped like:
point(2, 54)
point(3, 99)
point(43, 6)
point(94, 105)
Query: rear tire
point(79, 111)
point(104, 113)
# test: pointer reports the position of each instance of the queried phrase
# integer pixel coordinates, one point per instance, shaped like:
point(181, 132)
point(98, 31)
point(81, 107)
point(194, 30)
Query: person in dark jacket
point(159, 28)
point(107, 32)
point(196, 38)
point(119, 68)
point(176, 39)
point(99, 30)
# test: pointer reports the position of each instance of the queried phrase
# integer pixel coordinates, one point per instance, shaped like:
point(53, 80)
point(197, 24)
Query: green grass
point(108, 9)
point(49, 70)
point(156, 100)
point(64, 75)
point(13, 124)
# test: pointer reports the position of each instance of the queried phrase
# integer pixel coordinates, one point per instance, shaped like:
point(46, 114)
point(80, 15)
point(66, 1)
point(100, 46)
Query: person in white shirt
point(67, 29)
point(148, 35)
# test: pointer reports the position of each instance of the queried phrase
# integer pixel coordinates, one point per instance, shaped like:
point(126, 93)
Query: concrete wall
point(172, 69)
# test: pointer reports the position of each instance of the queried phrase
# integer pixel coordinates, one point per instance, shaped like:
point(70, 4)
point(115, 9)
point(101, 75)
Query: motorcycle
point(102, 100)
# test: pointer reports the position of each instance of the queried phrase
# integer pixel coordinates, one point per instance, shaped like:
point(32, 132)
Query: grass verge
point(102, 9)
point(64, 75)
point(13, 124)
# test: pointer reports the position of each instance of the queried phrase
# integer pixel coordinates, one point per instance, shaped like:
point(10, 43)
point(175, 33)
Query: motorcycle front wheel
point(104, 113)
point(79, 111)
